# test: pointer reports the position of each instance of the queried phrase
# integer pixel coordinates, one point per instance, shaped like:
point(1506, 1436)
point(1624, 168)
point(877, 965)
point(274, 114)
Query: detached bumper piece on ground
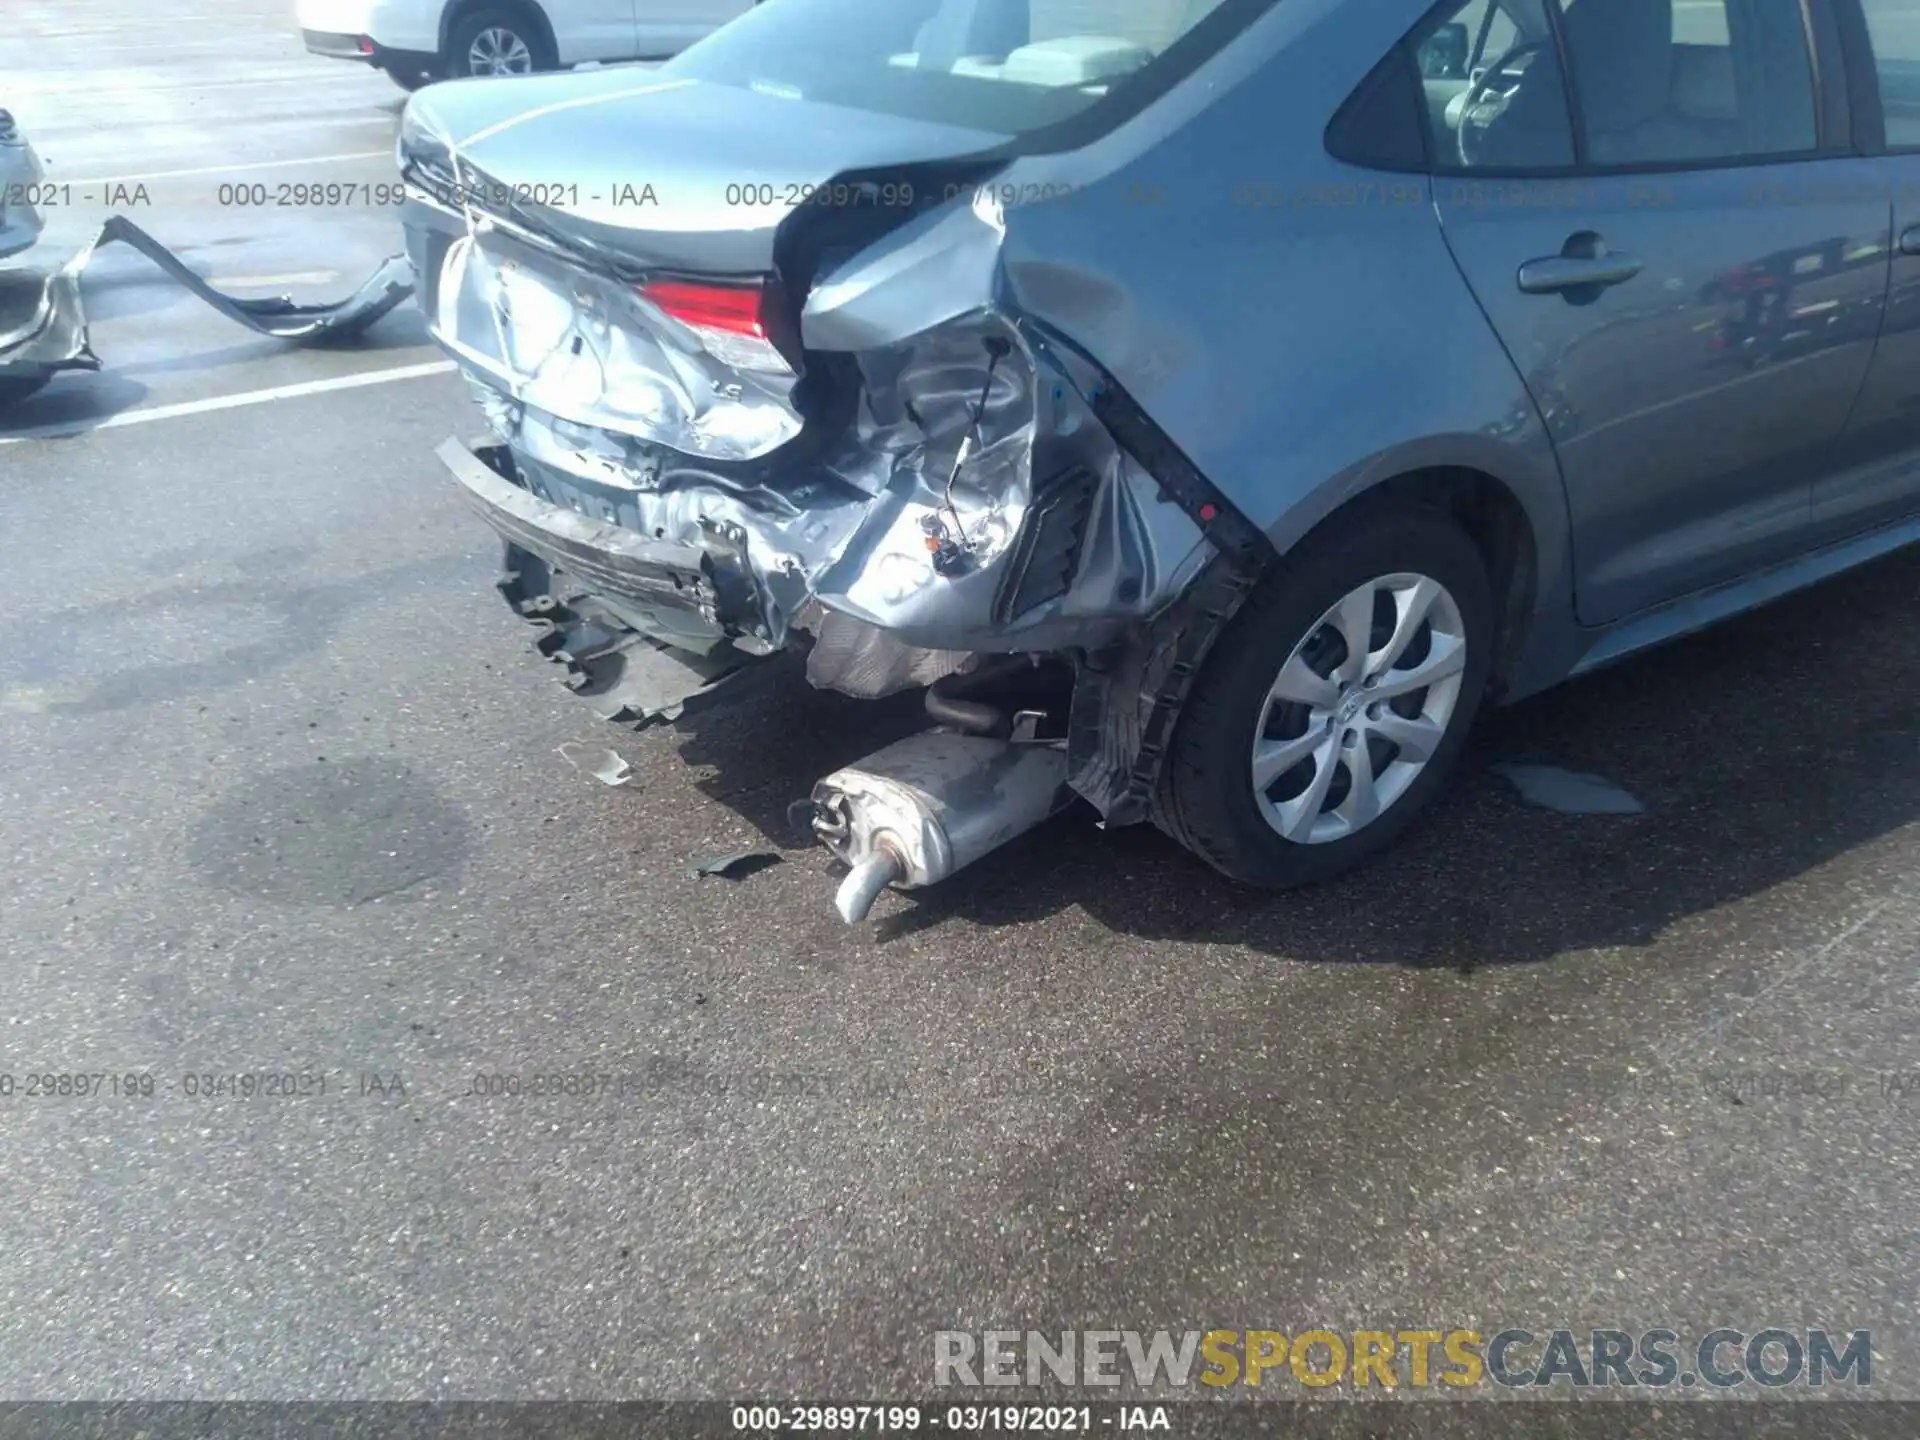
point(43, 322)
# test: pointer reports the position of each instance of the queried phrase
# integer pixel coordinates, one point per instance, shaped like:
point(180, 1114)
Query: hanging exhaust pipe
point(927, 806)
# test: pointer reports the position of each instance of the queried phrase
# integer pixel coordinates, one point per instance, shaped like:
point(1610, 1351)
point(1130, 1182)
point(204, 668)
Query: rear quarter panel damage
point(1297, 326)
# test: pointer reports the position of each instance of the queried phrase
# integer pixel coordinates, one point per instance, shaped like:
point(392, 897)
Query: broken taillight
point(728, 320)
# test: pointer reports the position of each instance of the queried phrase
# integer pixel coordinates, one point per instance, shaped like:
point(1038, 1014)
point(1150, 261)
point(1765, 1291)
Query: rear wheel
point(1336, 704)
point(497, 41)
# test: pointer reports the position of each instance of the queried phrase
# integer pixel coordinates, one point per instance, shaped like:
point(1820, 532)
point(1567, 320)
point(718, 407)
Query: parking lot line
point(68, 429)
point(263, 282)
point(221, 169)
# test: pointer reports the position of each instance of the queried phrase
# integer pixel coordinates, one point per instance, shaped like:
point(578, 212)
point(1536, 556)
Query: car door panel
point(1693, 300)
point(592, 29)
point(1878, 480)
point(1878, 477)
point(1690, 403)
point(667, 27)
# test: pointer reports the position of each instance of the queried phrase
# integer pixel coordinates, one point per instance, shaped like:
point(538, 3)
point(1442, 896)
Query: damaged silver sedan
point(809, 340)
point(1125, 374)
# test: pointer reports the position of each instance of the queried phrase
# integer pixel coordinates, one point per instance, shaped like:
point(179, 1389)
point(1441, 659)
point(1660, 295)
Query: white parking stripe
point(264, 282)
point(69, 428)
point(222, 169)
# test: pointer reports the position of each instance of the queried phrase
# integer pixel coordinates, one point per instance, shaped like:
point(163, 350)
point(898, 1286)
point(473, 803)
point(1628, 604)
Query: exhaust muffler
point(932, 804)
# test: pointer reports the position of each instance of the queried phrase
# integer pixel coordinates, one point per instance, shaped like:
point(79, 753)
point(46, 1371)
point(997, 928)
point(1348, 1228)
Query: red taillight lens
point(728, 321)
point(732, 309)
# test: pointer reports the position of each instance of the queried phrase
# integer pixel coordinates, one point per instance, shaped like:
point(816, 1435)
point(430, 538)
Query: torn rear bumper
point(602, 597)
point(647, 629)
point(937, 478)
point(674, 587)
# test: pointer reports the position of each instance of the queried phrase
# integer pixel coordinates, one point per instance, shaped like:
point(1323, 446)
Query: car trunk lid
point(648, 170)
point(629, 251)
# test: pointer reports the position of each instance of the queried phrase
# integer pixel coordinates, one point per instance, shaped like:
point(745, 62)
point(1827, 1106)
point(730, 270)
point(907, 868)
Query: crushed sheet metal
point(865, 661)
point(1570, 792)
point(736, 867)
point(51, 334)
point(606, 766)
point(41, 331)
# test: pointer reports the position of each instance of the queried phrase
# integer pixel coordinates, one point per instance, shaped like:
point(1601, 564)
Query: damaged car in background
point(20, 176)
point(20, 226)
point(1145, 380)
point(43, 319)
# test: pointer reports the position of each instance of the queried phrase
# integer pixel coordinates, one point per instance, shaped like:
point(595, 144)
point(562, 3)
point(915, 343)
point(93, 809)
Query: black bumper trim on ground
point(46, 331)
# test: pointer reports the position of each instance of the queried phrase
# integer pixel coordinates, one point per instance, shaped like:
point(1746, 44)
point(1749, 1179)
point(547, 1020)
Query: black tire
point(469, 27)
point(1206, 798)
point(15, 388)
point(409, 80)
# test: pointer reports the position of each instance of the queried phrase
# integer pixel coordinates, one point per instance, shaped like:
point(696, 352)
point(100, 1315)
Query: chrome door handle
point(1556, 274)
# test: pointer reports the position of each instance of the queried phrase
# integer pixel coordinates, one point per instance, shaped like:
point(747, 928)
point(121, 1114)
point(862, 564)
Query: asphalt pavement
point(283, 791)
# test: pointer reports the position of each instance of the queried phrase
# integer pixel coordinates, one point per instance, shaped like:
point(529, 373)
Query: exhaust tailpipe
point(926, 806)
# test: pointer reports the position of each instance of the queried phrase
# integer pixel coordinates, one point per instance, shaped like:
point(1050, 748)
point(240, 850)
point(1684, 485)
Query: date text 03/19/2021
point(950, 1419)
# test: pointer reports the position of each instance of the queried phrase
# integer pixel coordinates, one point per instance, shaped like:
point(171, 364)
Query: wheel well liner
point(532, 10)
point(1497, 522)
point(1127, 700)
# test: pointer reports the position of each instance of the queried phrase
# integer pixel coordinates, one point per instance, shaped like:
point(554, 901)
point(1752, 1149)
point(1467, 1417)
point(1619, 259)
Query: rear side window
point(1652, 82)
point(1664, 82)
point(1492, 90)
point(1011, 68)
point(1894, 27)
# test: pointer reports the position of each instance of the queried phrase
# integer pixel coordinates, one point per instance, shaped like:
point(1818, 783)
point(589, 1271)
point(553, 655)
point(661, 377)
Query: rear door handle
point(1910, 240)
point(1557, 274)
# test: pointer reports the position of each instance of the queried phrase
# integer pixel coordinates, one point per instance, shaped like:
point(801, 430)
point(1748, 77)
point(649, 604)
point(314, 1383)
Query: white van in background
point(415, 41)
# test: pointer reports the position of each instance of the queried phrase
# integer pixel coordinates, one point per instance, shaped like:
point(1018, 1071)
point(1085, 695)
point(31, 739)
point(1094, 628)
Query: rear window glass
point(1009, 67)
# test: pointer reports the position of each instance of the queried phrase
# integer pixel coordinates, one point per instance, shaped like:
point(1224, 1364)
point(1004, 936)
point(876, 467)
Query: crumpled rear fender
point(1152, 520)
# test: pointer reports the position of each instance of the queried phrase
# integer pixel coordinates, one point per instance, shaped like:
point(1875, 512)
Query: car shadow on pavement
point(80, 400)
point(1761, 749)
point(773, 735)
point(404, 331)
